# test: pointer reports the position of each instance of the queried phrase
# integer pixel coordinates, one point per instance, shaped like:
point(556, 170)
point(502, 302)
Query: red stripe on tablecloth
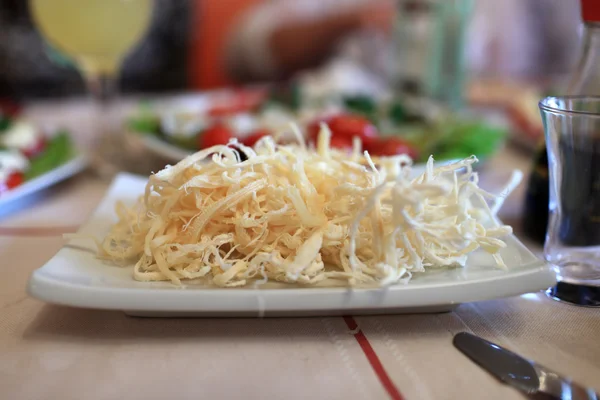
point(36, 230)
point(376, 364)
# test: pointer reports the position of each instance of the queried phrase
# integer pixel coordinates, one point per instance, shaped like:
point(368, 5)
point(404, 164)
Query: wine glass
point(96, 34)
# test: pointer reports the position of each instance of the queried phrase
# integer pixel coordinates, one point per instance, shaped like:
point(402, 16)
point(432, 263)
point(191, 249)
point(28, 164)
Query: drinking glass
point(572, 130)
point(96, 34)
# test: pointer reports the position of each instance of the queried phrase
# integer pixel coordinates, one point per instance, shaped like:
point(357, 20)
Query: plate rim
point(59, 292)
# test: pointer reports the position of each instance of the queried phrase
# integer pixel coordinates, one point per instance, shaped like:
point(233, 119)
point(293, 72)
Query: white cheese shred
point(311, 217)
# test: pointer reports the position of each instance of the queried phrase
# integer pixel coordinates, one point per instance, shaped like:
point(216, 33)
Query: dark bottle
point(585, 81)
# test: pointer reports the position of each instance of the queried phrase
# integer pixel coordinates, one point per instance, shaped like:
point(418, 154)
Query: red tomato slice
point(349, 126)
point(391, 147)
point(215, 135)
point(341, 143)
point(254, 137)
point(13, 180)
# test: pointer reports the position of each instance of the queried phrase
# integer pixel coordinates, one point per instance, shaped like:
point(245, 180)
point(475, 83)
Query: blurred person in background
point(199, 44)
point(276, 39)
point(508, 38)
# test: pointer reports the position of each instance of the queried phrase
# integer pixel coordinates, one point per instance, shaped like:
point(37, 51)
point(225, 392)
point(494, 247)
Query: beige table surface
point(54, 352)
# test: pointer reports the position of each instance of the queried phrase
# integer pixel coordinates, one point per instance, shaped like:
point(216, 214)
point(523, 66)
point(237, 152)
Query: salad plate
point(32, 159)
point(43, 181)
point(178, 126)
point(76, 277)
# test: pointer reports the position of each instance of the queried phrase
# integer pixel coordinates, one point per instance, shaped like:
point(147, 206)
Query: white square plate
point(75, 277)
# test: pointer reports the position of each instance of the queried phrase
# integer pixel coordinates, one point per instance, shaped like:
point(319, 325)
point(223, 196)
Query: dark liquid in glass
point(537, 197)
point(580, 191)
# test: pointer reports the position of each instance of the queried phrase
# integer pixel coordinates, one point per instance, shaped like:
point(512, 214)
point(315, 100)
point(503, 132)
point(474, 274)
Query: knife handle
point(558, 387)
point(577, 395)
point(579, 392)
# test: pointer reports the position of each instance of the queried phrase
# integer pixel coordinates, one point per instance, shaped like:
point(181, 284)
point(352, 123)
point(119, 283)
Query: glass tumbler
point(572, 130)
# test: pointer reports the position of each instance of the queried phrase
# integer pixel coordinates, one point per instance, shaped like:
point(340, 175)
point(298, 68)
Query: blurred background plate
point(44, 181)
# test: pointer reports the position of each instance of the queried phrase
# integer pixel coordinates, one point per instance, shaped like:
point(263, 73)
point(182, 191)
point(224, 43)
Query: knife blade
point(512, 369)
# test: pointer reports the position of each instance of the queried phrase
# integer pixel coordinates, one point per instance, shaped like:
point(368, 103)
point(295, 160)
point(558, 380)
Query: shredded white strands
point(296, 215)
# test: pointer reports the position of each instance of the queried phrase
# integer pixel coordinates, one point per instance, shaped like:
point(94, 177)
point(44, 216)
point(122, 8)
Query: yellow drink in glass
point(96, 33)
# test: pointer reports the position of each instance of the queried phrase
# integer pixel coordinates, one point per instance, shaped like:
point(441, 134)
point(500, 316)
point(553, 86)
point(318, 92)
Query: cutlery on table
point(527, 376)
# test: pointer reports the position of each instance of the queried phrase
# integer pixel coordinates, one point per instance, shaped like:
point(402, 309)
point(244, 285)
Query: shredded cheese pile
point(308, 216)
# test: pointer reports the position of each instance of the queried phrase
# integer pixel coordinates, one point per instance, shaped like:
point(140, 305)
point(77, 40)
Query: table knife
point(531, 378)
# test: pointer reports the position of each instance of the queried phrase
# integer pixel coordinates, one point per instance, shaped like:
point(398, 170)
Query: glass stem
point(102, 87)
point(106, 142)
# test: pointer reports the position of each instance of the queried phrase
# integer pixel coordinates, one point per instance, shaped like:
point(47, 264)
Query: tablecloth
point(55, 352)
